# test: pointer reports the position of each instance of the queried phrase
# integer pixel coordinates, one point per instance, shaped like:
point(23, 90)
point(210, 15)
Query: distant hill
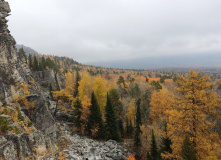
point(140, 63)
point(27, 50)
point(186, 69)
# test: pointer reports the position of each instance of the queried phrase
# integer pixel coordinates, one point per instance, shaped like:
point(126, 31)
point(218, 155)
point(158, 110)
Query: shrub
point(20, 117)
point(3, 124)
point(17, 130)
point(30, 123)
point(5, 111)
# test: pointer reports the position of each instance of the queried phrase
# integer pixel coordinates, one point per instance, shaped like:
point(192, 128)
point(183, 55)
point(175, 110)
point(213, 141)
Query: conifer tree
point(153, 150)
point(30, 61)
point(188, 152)
point(131, 129)
point(95, 119)
point(148, 156)
point(35, 66)
point(111, 122)
point(195, 115)
point(127, 128)
point(121, 127)
point(43, 62)
point(77, 113)
point(116, 103)
point(165, 142)
point(40, 67)
point(138, 132)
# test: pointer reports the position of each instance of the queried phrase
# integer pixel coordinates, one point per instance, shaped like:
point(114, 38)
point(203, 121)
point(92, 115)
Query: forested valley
point(161, 115)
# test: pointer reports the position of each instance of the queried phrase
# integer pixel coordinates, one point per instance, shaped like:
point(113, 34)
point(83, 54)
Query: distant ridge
point(27, 50)
point(186, 69)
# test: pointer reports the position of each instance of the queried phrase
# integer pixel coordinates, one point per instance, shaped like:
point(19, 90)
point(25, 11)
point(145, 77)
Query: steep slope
point(15, 74)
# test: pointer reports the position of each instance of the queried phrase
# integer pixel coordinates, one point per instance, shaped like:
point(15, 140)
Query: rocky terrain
point(34, 132)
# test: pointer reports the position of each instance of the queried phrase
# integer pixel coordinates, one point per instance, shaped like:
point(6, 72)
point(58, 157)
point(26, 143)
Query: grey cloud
point(109, 30)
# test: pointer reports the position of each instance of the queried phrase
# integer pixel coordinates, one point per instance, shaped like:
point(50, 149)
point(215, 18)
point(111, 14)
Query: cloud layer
point(112, 30)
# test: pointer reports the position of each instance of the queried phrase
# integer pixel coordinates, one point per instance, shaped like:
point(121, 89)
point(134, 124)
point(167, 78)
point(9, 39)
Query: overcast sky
point(108, 31)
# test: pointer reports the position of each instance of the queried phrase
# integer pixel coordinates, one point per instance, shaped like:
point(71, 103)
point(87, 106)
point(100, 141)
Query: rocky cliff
point(33, 132)
point(14, 75)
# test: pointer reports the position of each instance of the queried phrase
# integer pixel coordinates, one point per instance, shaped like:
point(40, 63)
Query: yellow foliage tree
point(161, 103)
point(195, 116)
point(85, 112)
point(131, 110)
point(69, 83)
point(85, 86)
point(100, 91)
point(85, 90)
point(62, 96)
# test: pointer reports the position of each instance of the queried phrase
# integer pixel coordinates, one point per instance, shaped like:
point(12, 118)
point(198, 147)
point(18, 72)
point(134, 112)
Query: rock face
point(11, 64)
point(49, 77)
point(14, 72)
point(24, 146)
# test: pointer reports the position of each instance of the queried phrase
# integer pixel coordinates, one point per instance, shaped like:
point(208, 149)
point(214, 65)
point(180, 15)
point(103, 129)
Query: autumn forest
point(160, 115)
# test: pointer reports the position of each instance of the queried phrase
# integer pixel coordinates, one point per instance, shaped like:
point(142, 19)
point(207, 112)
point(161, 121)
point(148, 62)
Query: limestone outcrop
point(14, 73)
point(13, 70)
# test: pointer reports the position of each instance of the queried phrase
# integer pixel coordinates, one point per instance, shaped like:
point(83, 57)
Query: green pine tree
point(127, 128)
point(30, 61)
point(148, 156)
point(77, 113)
point(154, 154)
point(138, 132)
point(35, 66)
point(166, 142)
point(40, 66)
point(188, 152)
point(121, 127)
point(116, 103)
point(43, 62)
point(111, 122)
point(131, 129)
point(95, 118)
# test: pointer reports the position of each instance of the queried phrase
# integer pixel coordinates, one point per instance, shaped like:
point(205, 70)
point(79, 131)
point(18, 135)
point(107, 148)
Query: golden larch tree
point(161, 103)
point(100, 91)
point(85, 90)
point(85, 86)
point(195, 116)
point(69, 82)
